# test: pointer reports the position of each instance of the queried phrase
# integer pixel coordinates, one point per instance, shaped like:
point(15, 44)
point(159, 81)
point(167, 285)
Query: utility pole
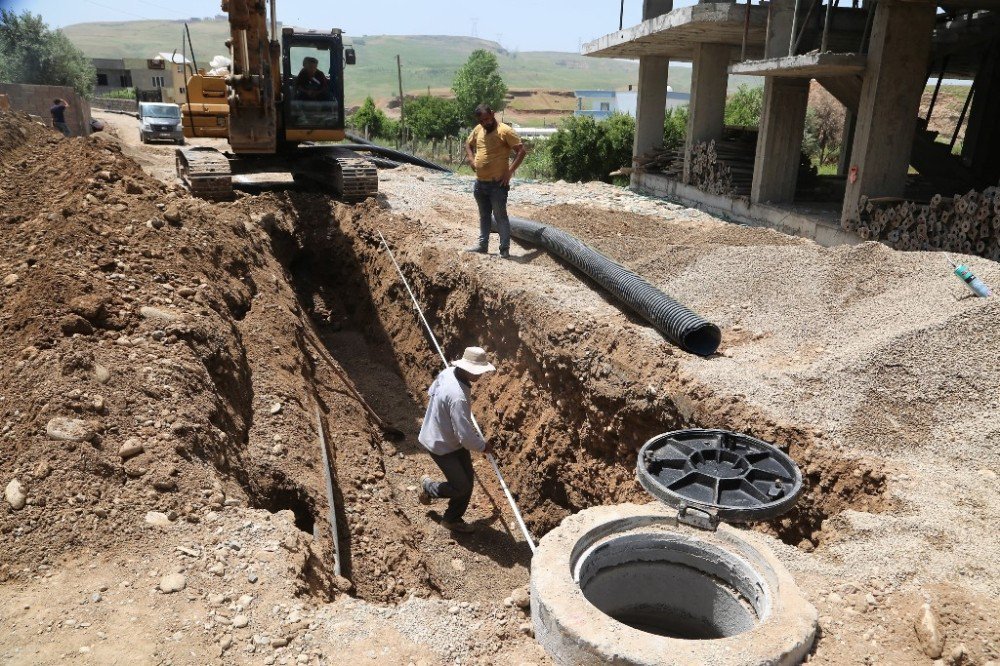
point(402, 117)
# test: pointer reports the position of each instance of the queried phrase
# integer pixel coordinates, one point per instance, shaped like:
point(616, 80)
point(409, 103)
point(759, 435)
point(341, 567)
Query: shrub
point(584, 149)
point(675, 126)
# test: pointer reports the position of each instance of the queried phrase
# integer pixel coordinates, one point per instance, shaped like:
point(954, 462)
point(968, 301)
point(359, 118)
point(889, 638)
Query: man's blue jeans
point(491, 197)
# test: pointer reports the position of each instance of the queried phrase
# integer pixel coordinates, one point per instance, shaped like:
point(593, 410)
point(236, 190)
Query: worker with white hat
point(449, 434)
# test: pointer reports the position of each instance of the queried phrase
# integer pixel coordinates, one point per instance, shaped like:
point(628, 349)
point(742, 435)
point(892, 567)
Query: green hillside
point(428, 61)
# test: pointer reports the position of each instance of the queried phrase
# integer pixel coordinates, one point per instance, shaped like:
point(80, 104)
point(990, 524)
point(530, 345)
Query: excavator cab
point(312, 85)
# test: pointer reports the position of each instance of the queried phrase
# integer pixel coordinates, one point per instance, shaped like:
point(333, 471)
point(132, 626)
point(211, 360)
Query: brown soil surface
point(856, 360)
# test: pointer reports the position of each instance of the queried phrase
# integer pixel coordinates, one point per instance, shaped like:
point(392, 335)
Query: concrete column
point(654, 8)
point(707, 110)
point(779, 28)
point(779, 144)
point(890, 100)
point(847, 142)
point(783, 118)
point(651, 104)
point(651, 98)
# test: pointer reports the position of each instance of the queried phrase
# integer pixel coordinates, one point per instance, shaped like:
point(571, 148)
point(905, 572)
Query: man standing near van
point(58, 111)
point(488, 148)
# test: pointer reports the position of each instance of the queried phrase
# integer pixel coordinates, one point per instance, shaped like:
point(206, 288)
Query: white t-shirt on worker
point(447, 423)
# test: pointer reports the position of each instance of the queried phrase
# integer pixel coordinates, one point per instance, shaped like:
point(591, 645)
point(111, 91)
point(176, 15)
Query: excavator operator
point(312, 83)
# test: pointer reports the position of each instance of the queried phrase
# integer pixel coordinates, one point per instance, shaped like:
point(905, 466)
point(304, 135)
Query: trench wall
point(573, 399)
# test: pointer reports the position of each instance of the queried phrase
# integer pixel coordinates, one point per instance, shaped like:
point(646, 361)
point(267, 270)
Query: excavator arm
point(255, 82)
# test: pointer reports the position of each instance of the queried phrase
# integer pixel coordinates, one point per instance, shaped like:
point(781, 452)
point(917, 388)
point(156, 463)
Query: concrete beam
point(779, 143)
point(812, 65)
point(651, 104)
point(675, 33)
point(890, 100)
point(707, 110)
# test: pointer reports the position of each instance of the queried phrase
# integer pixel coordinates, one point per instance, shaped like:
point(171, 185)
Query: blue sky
point(526, 25)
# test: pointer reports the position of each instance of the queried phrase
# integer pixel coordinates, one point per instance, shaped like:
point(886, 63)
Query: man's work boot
point(458, 526)
point(424, 497)
point(479, 249)
point(504, 254)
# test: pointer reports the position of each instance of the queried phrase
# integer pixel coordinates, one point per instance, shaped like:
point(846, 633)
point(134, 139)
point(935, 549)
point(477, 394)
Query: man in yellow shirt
point(488, 148)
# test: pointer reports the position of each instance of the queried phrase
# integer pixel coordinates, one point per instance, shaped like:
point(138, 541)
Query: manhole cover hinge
point(703, 520)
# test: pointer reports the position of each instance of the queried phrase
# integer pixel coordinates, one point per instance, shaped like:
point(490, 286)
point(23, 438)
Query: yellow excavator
point(275, 115)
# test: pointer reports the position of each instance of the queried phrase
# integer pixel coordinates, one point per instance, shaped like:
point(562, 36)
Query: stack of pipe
point(967, 223)
point(712, 168)
point(722, 167)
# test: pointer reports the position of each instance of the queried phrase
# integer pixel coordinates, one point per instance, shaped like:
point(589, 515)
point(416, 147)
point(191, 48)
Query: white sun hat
point(474, 361)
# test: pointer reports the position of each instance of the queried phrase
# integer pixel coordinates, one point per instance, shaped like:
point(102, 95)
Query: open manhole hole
point(635, 584)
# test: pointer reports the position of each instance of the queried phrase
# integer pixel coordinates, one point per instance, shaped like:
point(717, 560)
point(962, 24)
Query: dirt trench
point(572, 401)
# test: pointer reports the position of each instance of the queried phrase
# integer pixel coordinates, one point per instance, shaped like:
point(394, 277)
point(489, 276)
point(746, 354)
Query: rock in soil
point(15, 495)
point(172, 583)
point(69, 430)
point(929, 633)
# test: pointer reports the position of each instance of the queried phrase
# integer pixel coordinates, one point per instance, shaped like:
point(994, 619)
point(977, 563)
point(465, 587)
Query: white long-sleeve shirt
point(447, 423)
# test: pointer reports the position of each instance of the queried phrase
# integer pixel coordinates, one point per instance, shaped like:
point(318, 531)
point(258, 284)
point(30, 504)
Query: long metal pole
point(824, 45)
point(746, 30)
point(621, 16)
point(328, 472)
point(444, 359)
point(795, 27)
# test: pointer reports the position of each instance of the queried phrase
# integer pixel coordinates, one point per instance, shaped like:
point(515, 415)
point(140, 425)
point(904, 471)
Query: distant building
point(112, 75)
point(599, 104)
point(162, 78)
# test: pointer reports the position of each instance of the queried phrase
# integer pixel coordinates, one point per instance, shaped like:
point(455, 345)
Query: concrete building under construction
point(897, 181)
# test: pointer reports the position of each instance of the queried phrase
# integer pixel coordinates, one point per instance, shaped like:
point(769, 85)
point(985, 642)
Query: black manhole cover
point(738, 477)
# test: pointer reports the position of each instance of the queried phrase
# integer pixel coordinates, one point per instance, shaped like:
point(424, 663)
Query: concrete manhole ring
point(680, 595)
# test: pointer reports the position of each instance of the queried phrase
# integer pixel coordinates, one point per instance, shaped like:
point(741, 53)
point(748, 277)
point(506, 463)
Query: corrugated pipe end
point(702, 340)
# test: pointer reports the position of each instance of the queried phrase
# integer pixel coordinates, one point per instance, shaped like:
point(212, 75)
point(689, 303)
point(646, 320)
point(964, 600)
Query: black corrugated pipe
point(677, 323)
point(395, 155)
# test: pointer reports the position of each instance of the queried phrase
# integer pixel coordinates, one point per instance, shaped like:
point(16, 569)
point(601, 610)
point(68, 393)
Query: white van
point(160, 122)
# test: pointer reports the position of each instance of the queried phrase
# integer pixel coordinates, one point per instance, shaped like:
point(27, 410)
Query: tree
point(32, 53)
point(371, 117)
point(824, 128)
point(744, 107)
point(477, 82)
point(432, 117)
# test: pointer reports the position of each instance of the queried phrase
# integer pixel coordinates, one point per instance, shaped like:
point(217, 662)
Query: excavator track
point(205, 172)
point(355, 178)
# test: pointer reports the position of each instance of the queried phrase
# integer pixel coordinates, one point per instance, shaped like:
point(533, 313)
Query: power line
point(120, 11)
